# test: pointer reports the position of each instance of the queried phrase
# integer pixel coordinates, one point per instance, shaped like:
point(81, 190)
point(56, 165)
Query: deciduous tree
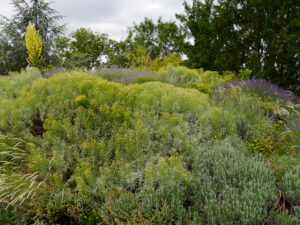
point(87, 48)
point(159, 39)
point(262, 36)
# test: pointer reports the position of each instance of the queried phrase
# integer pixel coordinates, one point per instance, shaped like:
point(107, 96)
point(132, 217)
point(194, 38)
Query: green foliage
point(205, 82)
point(221, 174)
point(110, 125)
point(236, 34)
point(208, 81)
point(293, 136)
point(272, 142)
point(197, 23)
point(11, 89)
point(269, 125)
point(15, 185)
point(160, 39)
point(86, 49)
point(283, 164)
point(205, 88)
point(180, 76)
point(264, 144)
point(222, 122)
point(163, 62)
point(144, 79)
point(244, 74)
point(7, 217)
point(293, 219)
point(59, 57)
point(249, 121)
point(148, 45)
point(138, 58)
point(291, 185)
point(117, 54)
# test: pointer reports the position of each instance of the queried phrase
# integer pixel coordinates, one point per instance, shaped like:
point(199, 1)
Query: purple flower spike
point(267, 88)
point(295, 125)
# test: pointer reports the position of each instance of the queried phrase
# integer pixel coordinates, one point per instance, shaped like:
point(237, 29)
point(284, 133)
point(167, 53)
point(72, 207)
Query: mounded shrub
point(291, 185)
point(230, 187)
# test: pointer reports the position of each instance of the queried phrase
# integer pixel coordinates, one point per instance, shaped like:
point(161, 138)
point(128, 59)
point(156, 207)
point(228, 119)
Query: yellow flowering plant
point(34, 47)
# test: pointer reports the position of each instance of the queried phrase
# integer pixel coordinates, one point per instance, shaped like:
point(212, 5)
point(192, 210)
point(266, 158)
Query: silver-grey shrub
point(291, 185)
point(289, 219)
point(229, 186)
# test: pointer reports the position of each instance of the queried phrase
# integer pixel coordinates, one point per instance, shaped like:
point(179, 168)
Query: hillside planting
point(179, 146)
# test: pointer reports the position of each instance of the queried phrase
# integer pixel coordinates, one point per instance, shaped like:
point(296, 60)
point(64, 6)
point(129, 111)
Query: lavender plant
point(230, 187)
point(267, 88)
point(293, 132)
point(291, 185)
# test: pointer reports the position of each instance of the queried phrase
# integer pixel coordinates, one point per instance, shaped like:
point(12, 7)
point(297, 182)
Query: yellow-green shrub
point(180, 76)
point(163, 62)
point(208, 81)
point(221, 122)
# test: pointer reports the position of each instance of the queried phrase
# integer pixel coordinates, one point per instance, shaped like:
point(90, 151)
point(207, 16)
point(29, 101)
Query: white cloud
point(6, 9)
point(108, 16)
point(153, 6)
point(112, 28)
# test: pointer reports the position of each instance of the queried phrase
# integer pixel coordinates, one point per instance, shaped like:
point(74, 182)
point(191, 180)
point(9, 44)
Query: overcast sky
point(108, 16)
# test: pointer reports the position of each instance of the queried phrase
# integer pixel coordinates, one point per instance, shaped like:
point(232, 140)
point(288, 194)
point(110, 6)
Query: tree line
point(222, 35)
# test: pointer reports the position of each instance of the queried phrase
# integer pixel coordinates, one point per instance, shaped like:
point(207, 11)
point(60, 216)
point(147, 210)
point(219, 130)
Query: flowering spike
point(34, 46)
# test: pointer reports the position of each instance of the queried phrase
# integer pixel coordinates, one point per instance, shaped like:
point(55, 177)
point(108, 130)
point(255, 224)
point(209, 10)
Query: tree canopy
point(87, 48)
point(262, 36)
point(159, 39)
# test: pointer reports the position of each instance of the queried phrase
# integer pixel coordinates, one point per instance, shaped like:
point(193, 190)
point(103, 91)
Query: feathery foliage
point(15, 185)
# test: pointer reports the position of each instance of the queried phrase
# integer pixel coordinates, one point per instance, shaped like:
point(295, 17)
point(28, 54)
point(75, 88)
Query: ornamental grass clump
point(292, 133)
point(16, 186)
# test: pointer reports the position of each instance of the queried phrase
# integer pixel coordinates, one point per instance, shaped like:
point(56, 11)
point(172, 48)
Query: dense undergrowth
point(176, 147)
